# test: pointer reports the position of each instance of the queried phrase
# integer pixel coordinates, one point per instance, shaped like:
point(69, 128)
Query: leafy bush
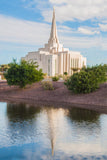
point(23, 73)
point(65, 73)
point(87, 80)
point(55, 78)
point(99, 70)
point(47, 85)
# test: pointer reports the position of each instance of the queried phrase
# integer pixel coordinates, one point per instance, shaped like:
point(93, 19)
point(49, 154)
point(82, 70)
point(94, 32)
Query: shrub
point(60, 76)
point(23, 73)
point(99, 70)
point(65, 73)
point(47, 85)
point(55, 78)
point(87, 80)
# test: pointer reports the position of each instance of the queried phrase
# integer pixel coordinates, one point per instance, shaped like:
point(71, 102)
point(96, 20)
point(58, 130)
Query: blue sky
point(25, 26)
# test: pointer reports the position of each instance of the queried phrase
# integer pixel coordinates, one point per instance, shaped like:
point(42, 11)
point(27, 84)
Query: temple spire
point(53, 36)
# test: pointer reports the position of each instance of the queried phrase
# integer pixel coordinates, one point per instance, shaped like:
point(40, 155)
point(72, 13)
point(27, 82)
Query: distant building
point(54, 59)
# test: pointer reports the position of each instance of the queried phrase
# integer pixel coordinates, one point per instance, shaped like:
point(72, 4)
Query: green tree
point(100, 72)
point(88, 79)
point(23, 73)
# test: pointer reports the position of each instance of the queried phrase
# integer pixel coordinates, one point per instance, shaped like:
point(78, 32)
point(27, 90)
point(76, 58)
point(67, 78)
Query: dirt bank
point(60, 97)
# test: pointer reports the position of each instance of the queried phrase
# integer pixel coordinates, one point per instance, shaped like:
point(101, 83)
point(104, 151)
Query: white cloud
point(103, 27)
point(88, 31)
point(21, 31)
point(58, 2)
point(68, 10)
point(104, 21)
point(34, 33)
point(81, 42)
point(104, 44)
point(65, 29)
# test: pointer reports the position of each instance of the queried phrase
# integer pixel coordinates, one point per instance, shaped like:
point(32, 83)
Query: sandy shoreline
point(60, 97)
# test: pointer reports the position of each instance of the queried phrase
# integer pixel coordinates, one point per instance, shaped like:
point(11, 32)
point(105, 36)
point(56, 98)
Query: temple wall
point(54, 65)
point(57, 64)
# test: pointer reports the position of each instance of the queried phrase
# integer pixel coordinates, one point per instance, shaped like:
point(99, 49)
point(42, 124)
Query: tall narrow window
point(55, 66)
point(48, 67)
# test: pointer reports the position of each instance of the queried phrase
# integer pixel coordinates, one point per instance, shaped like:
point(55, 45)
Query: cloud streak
point(21, 31)
point(35, 33)
point(82, 10)
point(70, 10)
point(88, 31)
point(103, 27)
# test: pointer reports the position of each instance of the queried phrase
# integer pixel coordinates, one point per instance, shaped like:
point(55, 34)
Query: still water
point(31, 133)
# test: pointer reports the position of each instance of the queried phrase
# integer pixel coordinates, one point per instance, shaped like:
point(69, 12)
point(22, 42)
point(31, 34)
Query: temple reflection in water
point(64, 128)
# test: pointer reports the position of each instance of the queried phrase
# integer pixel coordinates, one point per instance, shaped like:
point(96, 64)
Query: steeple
point(53, 35)
point(53, 46)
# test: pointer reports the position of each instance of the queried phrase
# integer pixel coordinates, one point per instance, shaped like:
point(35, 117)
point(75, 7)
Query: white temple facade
point(53, 59)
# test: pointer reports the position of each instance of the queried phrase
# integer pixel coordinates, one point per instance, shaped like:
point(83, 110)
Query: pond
point(45, 133)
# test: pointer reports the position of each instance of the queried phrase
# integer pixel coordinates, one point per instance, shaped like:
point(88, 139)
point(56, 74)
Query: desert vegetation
point(23, 73)
point(47, 85)
point(88, 79)
point(55, 78)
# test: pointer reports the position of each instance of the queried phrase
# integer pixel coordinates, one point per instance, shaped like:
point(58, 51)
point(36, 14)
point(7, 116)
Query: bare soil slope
point(60, 97)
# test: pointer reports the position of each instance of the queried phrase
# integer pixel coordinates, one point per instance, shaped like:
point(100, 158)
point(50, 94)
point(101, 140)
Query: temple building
point(53, 59)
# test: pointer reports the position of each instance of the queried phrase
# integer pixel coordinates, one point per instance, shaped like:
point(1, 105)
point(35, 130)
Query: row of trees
point(85, 81)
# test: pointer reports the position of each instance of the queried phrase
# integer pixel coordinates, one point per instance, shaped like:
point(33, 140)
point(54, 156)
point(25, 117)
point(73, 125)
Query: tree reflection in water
point(84, 122)
point(56, 126)
point(28, 132)
point(22, 123)
point(21, 112)
point(80, 115)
